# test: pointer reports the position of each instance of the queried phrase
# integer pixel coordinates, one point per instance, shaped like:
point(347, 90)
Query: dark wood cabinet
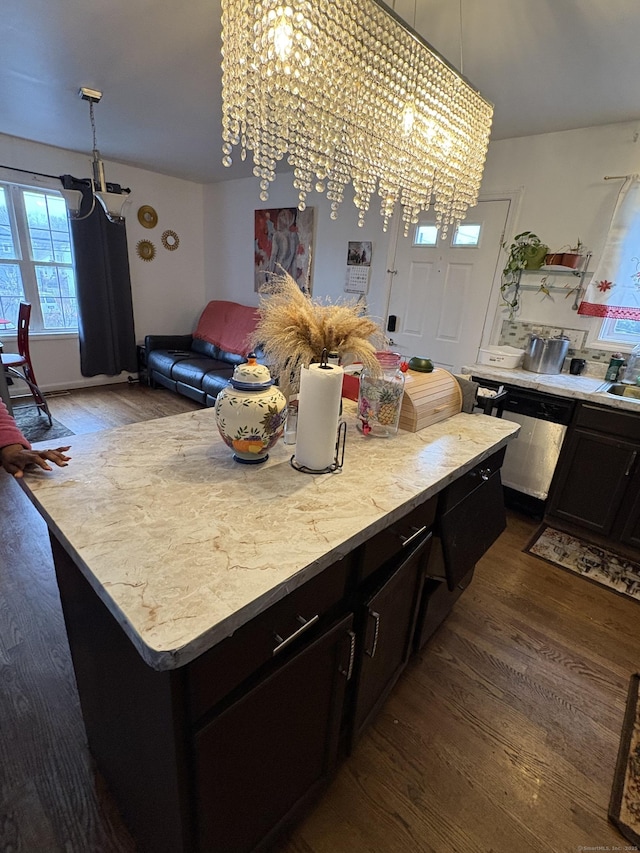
point(629, 522)
point(260, 759)
point(386, 625)
point(597, 479)
point(592, 480)
point(471, 516)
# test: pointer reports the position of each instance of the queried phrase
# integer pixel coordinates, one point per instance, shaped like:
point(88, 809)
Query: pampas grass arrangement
point(293, 330)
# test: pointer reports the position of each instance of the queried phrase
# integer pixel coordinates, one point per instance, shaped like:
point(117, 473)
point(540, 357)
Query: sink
point(619, 389)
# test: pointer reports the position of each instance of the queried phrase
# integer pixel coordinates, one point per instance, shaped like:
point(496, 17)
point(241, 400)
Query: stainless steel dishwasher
point(531, 457)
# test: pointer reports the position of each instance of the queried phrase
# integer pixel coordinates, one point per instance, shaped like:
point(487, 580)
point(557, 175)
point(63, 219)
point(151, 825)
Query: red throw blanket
point(227, 325)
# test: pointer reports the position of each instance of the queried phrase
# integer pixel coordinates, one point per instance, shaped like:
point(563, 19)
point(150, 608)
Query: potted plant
point(526, 251)
point(572, 258)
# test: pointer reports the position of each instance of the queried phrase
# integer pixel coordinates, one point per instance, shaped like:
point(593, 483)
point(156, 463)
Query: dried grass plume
point(293, 330)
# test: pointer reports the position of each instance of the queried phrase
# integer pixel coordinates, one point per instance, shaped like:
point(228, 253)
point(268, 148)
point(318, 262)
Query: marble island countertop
point(562, 384)
point(184, 545)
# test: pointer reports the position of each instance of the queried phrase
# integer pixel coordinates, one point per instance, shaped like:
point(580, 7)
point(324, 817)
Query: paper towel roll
point(318, 413)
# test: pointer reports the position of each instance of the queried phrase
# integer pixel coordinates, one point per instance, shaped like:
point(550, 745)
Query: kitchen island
point(173, 561)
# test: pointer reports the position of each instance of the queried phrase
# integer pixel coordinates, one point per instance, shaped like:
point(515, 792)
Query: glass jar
point(632, 373)
point(380, 397)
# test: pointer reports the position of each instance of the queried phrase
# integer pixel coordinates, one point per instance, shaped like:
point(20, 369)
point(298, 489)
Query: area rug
point(624, 806)
point(592, 562)
point(35, 426)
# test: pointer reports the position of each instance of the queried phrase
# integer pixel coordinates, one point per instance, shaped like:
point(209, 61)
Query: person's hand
point(15, 458)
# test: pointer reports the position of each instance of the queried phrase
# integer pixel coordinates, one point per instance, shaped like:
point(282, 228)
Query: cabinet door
point(256, 761)
point(592, 478)
point(630, 533)
point(470, 527)
point(387, 625)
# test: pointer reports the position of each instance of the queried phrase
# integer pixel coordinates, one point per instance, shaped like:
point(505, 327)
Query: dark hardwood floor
point(500, 736)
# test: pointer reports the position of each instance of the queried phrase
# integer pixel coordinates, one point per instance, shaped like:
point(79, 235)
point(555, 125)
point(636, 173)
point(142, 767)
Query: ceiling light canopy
point(350, 94)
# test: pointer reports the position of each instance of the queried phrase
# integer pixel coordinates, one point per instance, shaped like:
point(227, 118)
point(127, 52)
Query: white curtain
point(614, 290)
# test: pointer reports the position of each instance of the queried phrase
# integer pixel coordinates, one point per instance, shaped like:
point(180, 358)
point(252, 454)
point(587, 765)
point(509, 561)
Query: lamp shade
point(73, 200)
point(113, 203)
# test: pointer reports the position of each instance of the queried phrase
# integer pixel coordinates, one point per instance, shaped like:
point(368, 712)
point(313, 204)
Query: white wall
point(563, 197)
point(558, 178)
point(168, 292)
point(229, 240)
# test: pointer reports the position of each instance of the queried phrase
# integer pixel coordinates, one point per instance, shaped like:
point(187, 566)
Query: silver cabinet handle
point(305, 624)
point(409, 539)
point(632, 462)
point(483, 473)
point(376, 631)
point(352, 656)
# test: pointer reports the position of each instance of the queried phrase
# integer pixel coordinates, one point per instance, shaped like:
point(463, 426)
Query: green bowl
point(422, 365)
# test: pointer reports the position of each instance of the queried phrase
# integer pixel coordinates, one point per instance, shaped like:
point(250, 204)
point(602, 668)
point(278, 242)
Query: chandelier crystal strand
point(350, 95)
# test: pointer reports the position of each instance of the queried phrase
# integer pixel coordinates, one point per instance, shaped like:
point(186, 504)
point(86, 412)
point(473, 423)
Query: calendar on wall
point(358, 266)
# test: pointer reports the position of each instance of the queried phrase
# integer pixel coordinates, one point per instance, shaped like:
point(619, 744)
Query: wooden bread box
point(429, 398)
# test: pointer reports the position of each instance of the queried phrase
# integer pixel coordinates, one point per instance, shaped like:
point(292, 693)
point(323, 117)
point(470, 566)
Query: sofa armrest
point(179, 342)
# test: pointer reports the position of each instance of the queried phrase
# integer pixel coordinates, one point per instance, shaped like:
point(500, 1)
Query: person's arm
point(9, 431)
point(16, 453)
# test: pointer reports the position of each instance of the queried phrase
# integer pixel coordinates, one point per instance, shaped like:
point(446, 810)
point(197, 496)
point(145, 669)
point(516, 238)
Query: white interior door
point(441, 287)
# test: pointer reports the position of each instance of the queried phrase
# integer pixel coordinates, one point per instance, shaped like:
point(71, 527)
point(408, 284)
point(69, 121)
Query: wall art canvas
point(283, 238)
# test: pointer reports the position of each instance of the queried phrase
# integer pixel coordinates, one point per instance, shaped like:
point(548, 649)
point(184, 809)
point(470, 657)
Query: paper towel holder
point(338, 460)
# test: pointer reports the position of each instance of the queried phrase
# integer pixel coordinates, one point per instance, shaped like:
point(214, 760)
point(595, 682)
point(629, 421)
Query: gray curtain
point(103, 285)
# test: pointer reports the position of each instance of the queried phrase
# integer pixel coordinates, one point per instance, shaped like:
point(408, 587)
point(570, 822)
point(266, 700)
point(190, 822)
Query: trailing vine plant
point(521, 250)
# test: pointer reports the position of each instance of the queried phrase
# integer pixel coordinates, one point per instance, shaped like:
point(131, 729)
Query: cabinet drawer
point(469, 528)
point(397, 537)
point(463, 486)
point(619, 423)
point(267, 637)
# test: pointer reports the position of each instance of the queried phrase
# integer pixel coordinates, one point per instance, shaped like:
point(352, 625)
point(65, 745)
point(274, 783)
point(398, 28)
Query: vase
point(250, 412)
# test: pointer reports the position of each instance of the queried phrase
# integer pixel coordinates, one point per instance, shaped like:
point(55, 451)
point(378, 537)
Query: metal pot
point(545, 355)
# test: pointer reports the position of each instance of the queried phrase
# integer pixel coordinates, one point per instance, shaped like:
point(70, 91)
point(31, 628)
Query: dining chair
point(18, 365)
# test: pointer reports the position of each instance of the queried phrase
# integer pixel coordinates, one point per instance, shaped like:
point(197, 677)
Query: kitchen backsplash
point(517, 335)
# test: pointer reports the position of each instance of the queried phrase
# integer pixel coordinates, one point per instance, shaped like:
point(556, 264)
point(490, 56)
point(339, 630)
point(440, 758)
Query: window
point(425, 235)
point(466, 234)
point(36, 260)
point(626, 333)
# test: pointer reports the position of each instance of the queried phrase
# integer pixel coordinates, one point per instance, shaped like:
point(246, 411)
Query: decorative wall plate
point(147, 216)
point(170, 240)
point(146, 250)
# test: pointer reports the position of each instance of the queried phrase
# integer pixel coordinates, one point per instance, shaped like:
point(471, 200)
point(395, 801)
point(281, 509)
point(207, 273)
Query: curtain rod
point(616, 177)
point(31, 172)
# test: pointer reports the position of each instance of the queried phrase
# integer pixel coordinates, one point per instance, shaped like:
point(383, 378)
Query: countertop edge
point(583, 388)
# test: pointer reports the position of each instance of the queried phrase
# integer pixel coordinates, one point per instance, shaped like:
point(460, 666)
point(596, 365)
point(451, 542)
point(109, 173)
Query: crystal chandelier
point(350, 94)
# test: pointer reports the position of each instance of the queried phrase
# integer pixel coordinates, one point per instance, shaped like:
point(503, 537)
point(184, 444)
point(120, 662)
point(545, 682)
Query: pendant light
point(112, 197)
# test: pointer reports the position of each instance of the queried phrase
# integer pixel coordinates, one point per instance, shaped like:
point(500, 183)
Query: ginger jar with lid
point(250, 412)
point(380, 397)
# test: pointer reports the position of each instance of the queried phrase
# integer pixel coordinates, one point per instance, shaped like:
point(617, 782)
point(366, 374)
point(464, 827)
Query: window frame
point(449, 241)
point(19, 225)
point(606, 340)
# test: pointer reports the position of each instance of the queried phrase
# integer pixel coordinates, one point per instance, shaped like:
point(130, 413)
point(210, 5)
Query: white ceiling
point(546, 65)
